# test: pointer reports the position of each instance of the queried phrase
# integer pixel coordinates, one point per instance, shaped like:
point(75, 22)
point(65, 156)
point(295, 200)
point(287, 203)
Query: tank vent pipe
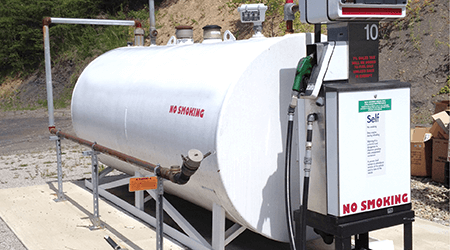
point(153, 31)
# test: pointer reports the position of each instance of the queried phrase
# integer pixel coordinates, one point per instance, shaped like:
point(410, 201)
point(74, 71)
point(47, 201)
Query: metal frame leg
point(139, 195)
point(97, 224)
point(159, 214)
point(362, 241)
point(60, 193)
point(218, 228)
point(407, 236)
point(344, 243)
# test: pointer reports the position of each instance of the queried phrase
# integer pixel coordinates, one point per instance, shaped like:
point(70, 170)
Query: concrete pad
point(427, 235)
point(41, 223)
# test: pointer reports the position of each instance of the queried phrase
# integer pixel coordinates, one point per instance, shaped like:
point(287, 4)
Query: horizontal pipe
point(165, 173)
point(92, 21)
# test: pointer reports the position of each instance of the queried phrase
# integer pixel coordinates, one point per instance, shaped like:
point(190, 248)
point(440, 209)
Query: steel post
point(138, 195)
point(153, 32)
point(60, 193)
point(218, 230)
point(96, 218)
point(48, 77)
point(159, 214)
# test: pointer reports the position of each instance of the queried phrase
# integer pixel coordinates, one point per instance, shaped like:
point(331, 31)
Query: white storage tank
point(229, 98)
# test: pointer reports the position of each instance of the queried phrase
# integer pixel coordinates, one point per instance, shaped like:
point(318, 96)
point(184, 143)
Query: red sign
point(372, 11)
point(187, 111)
point(382, 202)
point(144, 183)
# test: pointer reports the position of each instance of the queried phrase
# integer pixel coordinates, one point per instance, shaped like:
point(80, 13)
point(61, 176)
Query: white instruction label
point(375, 140)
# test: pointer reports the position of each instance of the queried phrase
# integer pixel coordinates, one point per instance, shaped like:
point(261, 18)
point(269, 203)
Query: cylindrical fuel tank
point(228, 98)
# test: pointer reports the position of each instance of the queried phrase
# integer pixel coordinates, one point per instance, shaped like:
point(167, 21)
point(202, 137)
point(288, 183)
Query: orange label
point(143, 183)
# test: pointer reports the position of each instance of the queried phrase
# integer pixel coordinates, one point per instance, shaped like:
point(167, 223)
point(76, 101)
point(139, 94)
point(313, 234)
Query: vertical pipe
point(59, 168)
point(159, 214)
point(139, 195)
point(153, 32)
point(48, 78)
point(317, 33)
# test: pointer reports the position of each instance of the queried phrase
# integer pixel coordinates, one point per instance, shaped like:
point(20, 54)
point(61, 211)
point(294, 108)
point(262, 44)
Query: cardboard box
point(439, 130)
point(421, 152)
point(442, 106)
point(440, 150)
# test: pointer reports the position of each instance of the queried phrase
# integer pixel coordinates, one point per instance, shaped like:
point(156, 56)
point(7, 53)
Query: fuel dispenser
point(357, 155)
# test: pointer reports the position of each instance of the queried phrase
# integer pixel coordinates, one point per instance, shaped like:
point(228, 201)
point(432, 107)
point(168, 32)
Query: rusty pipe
point(172, 174)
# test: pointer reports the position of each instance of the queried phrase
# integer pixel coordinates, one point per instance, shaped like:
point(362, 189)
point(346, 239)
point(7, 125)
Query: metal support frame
point(189, 236)
point(97, 224)
point(60, 193)
point(159, 214)
point(343, 228)
point(139, 195)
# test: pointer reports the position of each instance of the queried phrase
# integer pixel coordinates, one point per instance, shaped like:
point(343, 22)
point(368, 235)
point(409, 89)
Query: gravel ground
point(430, 200)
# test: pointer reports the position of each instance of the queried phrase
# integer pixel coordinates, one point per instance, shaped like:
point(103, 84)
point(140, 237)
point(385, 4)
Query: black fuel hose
point(307, 168)
point(287, 181)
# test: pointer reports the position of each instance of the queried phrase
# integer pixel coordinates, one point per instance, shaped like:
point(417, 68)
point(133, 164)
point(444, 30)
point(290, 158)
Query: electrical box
point(328, 11)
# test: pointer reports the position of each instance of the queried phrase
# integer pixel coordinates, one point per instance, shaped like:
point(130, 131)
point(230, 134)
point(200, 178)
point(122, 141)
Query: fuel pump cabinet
point(365, 131)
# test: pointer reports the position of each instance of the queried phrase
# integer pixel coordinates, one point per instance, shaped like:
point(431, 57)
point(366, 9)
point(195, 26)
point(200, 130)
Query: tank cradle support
point(188, 236)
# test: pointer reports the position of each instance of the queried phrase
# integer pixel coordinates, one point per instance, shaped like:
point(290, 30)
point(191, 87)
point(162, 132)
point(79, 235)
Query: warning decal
point(375, 105)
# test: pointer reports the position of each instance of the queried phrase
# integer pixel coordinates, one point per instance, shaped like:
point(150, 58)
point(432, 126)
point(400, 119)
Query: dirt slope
point(416, 50)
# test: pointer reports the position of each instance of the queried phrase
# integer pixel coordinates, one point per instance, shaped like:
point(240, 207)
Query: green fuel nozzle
point(304, 68)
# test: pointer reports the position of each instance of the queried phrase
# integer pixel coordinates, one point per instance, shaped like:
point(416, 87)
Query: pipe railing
point(48, 65)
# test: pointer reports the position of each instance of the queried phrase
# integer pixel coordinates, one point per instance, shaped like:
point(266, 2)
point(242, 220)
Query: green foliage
point(21, 50)
point(446, 88)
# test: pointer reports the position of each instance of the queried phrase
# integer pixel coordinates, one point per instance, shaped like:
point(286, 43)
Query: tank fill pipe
point(176, 175)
